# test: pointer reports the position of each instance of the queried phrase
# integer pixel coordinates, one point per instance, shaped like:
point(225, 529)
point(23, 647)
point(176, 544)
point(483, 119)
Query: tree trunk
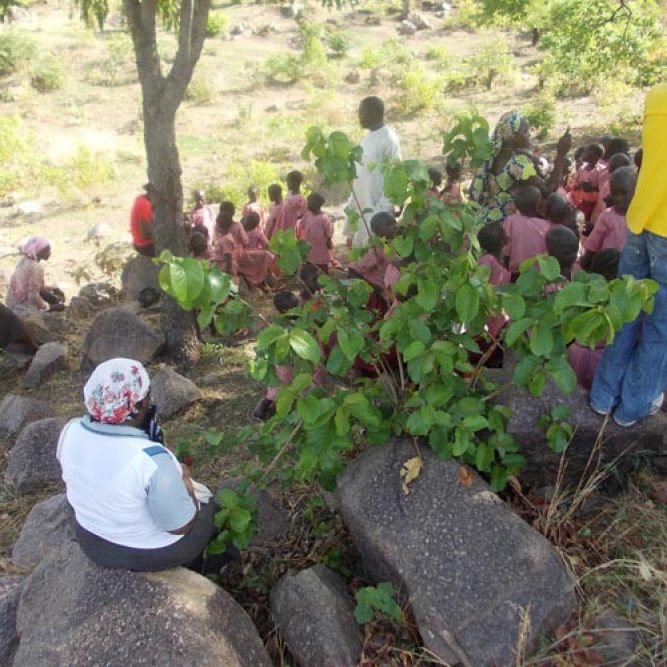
point(161, 96)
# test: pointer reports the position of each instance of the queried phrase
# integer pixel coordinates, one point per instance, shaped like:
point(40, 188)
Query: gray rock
point(138, 274)
point(99, 294)
point(616, 641)
point(419, 21)
point(48, 527)
point(79, 308)
point(10, 593)
point(32, 462)
point(74, 613)
point(373, 21)
point(313, 611)
point(542, 464)
point(468, 565)
point(118, 332)
point(172, 392)
point(407, 28)
point(50, 359)
point(18, 411)
point(353, 77)
point(97, 232)
point(41, 328)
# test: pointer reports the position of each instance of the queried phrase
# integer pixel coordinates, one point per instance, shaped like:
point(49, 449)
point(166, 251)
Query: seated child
point(275, 210)
point(451, 193)
point(526, 230)
point(611, 229)
point(616, 161)
point(316, 228)
point(605, 263)
point(492, 239)
point(256, 238)
point(436, 182)
point(559, 211)
point(374, 266)
point(295, 205)
point(563, 244)
point(226, 212)
point(199, 246)
point(586, 188)
point(253, 205)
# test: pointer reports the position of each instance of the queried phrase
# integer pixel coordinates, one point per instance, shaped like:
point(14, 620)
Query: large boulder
point(75, 613)
point(10, 593)
point(315, 617)
point(616, 444)
point(476, 575)
point(32, 462)
point(139, 273)
point(172, 392)
point(42, 328)
point(17, 411)
point(99, 294)
point(48, 527)
point(50, 359)
point(118, 332)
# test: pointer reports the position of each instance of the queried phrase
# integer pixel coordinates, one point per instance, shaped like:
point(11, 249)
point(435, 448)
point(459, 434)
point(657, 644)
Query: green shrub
point(438, 53)
point(216, 24)
point(48, 74)
point(282, 68)
point(338, 42)
point(16, 49)
point(20, 167)
point(416, 90)
point(199, 91)
point(494, 64)
point(391, 54)
point(312, 52)
point(541, 115)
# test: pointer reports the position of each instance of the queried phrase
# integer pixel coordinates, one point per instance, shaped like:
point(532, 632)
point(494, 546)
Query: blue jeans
point(633, 370)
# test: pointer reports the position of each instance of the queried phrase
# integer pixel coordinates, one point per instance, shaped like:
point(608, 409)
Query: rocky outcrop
point(118, 332)
point(10, 593)
point(172, 392)
point(313, 611)
point(476, 575)
point(50, 359)
point(74, 613)
point(139, 273)
point(48, 527)
point(18, 411)
point(32, 462)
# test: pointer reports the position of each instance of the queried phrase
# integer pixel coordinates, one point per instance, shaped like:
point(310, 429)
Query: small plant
point(48, 74)
point(216, 24)
point(282, 68)
point(541, 115)
point(557, 428)
point(236, 519)
point(338, 42)
point(113, 257)
point(16, 49)
point(379, 601)
point(416, 90)
point(494, 64)
point(199, 91)
point(438, 53)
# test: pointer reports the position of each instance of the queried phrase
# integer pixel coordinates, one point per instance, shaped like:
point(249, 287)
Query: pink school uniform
point(375, 268)
point(257, 240)
point(610, 232)
point(254, 207)
point(273, 219)
point(527, 238)
point(499, 276)
point(294, 208)
point(601, 203)
point(316, 228)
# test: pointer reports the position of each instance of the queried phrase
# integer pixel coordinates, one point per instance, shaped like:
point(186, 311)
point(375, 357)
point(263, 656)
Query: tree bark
point(161, 97)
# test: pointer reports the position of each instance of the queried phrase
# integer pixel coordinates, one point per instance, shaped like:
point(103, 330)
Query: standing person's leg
point(608, 381)
point(646, 375)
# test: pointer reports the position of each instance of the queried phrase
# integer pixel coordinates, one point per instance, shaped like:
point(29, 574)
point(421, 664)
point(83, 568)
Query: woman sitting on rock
point(26, 287)
point(134, 504)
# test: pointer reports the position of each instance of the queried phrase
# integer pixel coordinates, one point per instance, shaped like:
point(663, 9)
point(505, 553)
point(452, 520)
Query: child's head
point(592, 154)
point(198, 244)
point(294, 180)
point(453, 171)
point(275, 193)
point(527, 199)
point(558, 208)
point(579, 156)
point(492, 238)
point(309, 275)
point(618, 160)
point(562, 243)
point(605, 263)
point(616, 145)
point(253, 193)
point(639, 156)
point(201, 229)
point(371, 112)
point(622, 187)
point(228, 207)
point(225, 217)
point(436, 177)
point(285, 300)
point(315, 202)
point(251, 221)
point(384, 225)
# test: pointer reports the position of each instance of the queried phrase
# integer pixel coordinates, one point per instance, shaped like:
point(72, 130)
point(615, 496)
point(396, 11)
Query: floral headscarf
point(33, 246)
point(114, 389)
point(491, 191)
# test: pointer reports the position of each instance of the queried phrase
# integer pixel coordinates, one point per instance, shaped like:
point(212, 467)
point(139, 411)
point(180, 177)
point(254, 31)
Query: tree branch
point(142, 20)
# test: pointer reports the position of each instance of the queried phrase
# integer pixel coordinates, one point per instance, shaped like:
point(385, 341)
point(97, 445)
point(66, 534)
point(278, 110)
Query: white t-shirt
point(122, 486)
point(379, 147)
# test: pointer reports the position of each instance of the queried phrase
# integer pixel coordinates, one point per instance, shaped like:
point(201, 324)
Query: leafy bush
point(391, 54)
point(494, 64)
point(16, 49)
point(48, 74)
point(438, 53)
point(416, 90)
point(199, 91)
point(18, 155)
point(282, 68)
point(541, 115)
point(379, 600)
point(338, 42)
point(216, 24)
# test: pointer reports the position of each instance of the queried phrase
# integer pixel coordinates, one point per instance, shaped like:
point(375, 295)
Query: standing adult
point(380, 146)
point(141, 222)
point(632, 373)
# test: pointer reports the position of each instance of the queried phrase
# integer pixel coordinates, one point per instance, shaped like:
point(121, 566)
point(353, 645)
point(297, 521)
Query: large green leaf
point(305, 345)
point(467, 303)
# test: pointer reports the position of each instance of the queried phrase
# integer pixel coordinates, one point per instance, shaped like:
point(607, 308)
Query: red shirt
point(142, 211)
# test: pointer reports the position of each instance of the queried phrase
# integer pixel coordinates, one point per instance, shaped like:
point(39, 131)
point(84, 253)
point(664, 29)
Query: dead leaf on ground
point(466, 476)
point(410, 471)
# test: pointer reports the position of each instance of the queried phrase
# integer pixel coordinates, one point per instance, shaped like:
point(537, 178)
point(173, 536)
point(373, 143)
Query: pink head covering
point(114, 389)
point(33, 246)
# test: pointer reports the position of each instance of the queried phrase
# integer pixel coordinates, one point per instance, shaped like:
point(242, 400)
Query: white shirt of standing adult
point(379, 146)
